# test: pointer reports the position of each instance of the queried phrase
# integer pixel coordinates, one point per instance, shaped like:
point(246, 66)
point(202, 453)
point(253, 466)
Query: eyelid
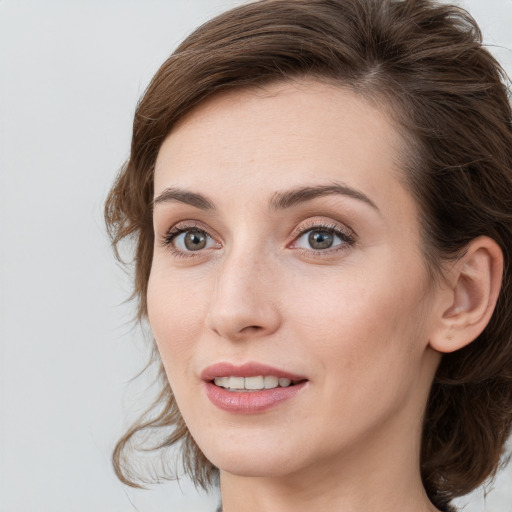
point(327, 224)
point(167, 238)
point(346, 234)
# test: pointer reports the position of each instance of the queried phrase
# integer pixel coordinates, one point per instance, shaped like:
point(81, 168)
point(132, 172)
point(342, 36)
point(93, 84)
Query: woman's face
point(288, 249)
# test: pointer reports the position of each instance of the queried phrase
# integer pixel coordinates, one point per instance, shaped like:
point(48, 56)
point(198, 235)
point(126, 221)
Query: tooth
point(236, 383)
point(271, 382)
point(254, 382)
point(283, 382)
point(251, 383)
point(221, 381)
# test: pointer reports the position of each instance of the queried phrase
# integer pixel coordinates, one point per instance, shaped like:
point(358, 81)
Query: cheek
point(365, 349)
point(361, 321)
point(175, 313)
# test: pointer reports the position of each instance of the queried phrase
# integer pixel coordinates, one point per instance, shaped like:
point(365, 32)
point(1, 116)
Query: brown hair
point(448, 96)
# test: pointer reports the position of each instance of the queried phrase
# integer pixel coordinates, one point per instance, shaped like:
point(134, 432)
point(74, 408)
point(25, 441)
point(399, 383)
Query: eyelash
point(169, 237)
point(346, 236)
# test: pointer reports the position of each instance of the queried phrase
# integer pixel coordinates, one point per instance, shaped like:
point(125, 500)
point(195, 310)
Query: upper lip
point(251, 369)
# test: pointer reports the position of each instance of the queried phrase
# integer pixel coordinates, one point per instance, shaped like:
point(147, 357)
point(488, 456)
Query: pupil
point(195, 241)
point(320, 239)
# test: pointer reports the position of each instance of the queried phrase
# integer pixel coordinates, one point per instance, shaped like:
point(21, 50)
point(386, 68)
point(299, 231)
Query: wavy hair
point(449, 97)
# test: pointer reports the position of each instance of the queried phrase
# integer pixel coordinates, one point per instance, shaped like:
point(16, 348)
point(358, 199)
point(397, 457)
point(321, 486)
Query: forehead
point(279, 136)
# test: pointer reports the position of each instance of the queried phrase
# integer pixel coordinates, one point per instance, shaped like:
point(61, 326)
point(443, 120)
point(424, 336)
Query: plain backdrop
point(70, 75)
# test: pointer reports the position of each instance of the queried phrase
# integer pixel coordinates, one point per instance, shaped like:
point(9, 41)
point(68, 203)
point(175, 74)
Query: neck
point(379, 474)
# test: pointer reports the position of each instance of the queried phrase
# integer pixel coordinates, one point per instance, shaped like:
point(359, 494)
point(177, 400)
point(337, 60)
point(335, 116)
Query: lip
point(249, 402)
point(251, 369)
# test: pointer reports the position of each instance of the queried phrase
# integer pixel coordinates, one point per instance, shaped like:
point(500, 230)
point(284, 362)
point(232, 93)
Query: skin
point(356, 319)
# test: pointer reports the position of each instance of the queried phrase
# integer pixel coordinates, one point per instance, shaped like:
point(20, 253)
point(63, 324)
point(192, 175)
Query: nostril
point(241, 319)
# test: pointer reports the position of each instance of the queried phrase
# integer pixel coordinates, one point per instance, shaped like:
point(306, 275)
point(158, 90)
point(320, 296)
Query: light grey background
point(70, 74)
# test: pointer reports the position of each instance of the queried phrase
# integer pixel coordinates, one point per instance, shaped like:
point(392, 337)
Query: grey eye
point(320, 239)
point(192, 240)
point(195, 241)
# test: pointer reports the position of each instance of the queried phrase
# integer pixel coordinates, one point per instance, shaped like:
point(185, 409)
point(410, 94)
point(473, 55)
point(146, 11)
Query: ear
point(468, 301)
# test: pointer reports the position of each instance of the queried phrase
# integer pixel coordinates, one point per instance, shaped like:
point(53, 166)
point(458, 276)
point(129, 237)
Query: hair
point(448, 96)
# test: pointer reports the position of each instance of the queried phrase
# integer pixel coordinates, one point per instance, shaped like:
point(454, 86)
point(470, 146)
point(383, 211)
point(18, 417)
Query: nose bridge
point(244, 299)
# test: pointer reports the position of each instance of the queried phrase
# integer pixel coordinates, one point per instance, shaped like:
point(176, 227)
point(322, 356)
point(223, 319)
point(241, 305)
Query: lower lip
point(250, 402)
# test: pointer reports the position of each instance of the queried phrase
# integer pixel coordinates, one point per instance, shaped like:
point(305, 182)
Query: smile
point(256, 383)
point(250, 388)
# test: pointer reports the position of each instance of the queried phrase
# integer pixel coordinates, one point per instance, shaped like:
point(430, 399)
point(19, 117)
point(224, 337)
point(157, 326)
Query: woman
point(319, 192)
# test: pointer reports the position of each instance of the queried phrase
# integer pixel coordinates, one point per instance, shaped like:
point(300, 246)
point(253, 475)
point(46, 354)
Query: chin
point(250, 466)
point(247, 456)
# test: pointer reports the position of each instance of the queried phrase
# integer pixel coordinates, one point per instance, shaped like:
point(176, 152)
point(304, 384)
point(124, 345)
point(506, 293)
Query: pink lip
point(249, 402)
point(246, 370)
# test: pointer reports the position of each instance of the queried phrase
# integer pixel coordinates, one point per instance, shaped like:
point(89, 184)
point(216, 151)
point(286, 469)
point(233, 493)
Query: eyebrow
point(279, 201)
point(179, 195)
point(289, 198)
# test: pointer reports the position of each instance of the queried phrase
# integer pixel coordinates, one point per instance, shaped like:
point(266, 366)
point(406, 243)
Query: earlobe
point(471, 297)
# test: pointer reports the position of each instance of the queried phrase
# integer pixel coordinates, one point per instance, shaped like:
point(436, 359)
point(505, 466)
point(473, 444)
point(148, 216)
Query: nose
point(244, 303)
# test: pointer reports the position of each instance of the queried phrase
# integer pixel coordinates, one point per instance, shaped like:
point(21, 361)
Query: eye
point(323, 238)
point(183, 240)
point(191, 241)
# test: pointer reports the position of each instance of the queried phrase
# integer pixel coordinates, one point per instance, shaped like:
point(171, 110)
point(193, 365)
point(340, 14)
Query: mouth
point(250, 388)
point(255, 383)
point(250, 376)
